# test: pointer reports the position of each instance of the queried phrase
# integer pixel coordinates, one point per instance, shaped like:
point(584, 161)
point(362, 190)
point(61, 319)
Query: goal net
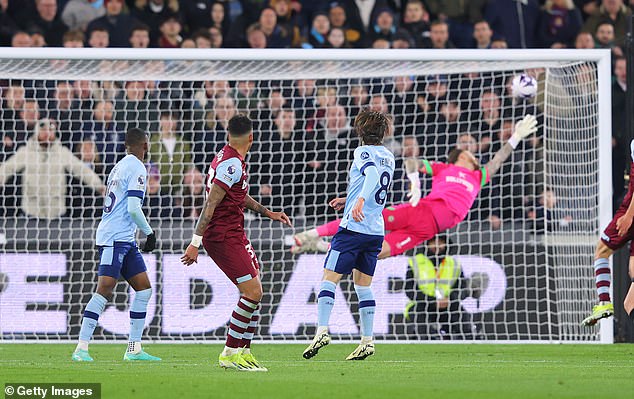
point(522, 260)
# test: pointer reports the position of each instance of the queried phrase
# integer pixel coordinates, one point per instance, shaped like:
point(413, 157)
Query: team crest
point(231, 169)
point(365, 155)
point(221, 154)
point(141, 181)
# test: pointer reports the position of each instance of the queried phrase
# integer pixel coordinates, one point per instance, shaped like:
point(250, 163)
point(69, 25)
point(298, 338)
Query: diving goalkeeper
point(455, 186)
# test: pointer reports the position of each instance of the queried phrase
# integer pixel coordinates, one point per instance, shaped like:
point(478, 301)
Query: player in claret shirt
point(455, 186)
point(220, 230)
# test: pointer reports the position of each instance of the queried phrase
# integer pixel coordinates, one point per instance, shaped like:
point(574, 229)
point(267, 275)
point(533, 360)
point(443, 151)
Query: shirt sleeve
point(362, 159)
point(485, 177)
point(137, 182)
point(228, 173)
point(433, 168)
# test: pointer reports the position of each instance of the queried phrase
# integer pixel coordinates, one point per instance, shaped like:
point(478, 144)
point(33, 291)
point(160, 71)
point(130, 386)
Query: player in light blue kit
point(356, 246)
point(118, 250)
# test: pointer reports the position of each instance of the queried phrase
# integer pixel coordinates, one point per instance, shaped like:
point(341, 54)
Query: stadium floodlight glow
point(529, 279)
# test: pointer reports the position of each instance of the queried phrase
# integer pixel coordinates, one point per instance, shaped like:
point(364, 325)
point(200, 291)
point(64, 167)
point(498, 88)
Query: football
point(524, 86)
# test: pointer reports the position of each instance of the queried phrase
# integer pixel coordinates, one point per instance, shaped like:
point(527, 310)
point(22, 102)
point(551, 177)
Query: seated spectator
point(86, 151)
point(99, 38)
point(160, 202)
point(170, 153)
point(256, 38)
point(47, 22)
point(416, 22)
point(337, 39)
point(288, 19)
point(402, 96)
point(482, 35)
point(73, 39)
point(137, 108)
point(220, 18)
point(499, 43)
point(545, 215)
point(153, 13)
point(515, 20)
point(246, 97)
point(116, 23)
point(44, 164)
point(217, 38)
point(63, 110)
point(202, 38)
point(196, 13)
point(170, 32)
point(193, 193)
point(7, 26)
point(337, 17)
point(21, 39)
point(384, 26)
point(560, 21)
point(611, 11)
point(188, 43)
point(209, 141)
point(140, 36)
point(358, 98)
point(103, 131)
point(25, 126)
point(605, 39)
point(360, 15)
point(584, 40)
point(402, 40)
point(438, 36)
point(38, 39)
point(276, 35)
point(318, 34)
point(83, 93)
point(10, 108)
point(381, 44)
point(77, 14)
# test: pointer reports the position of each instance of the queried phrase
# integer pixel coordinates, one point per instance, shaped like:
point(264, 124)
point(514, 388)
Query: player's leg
point(325, 303)
point(408, 228)
point(605, 308)
point(628, 303)
point(108, 274)
point(135, 272)
point(311, 240)
point(362, 276)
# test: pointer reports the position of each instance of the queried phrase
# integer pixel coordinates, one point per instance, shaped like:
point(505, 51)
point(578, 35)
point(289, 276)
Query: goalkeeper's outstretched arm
point(523, 129)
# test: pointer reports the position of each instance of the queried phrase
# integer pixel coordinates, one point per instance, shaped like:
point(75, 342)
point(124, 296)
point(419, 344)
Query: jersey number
point(111, 199)
point(381, 194)
point(210, 179)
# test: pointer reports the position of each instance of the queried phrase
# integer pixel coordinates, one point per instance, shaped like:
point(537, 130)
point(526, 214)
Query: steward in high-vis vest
point(435, 284)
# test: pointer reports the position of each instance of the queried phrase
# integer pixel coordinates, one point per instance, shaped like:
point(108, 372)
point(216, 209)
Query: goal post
point(525, 251)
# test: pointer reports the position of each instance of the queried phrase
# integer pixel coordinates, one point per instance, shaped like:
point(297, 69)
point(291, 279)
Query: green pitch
point(395, 372)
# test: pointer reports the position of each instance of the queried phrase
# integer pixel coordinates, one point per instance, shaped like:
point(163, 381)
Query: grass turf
point(396, 371)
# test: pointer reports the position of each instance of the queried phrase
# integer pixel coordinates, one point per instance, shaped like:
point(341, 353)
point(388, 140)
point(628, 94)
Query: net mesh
point(524, 251)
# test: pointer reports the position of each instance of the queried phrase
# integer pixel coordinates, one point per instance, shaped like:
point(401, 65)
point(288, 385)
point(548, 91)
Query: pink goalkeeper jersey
point(457, 188)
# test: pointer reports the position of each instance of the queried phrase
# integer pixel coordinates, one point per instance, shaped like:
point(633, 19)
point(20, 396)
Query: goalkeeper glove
point(414, 189)
point(150, 243)
point(523, 129)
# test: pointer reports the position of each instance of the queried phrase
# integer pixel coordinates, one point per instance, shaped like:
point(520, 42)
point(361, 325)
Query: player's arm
point(369, 183)
point(523, 129)
point(13, 165)
point(261, 210)
point(138, 217)
point(216, 195)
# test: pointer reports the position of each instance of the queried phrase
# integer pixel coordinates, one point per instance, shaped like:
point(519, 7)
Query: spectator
point(384, 26)
point(304, 100)
point(99, 38)
point(86, 151)
point(170, 32)
point(63, 110)
point(488, 122)
point(360, 14)
point(170, 153)
point(604, 35)
point(47, 22)
point(73, 39)
point(77, 14)
point(380, 44)
point(337, 39)
point(584, 40)
point(7, 26)
point(188, 43)
point(9, 114)
point(137, 109)
point(358, 98)
point(272, 105)
point(416, 22)
point(117, 24)
point(217, 38)
point(153, 13)
point(202, 38)
point(611, 11)
point(193, 198)
point(337, 17)
point(402, 40)
point(220, 17)
point(482, 34)
point(545, 210)
point(499, 43)
point(560, 21)
point(402, 97)
point(140, 36)
point(102, 130)
point(29, 116)
point(276, 35)
point(467, 142)
point(196, 13)
point(44, 163)
point(246, 97)
point(256, 37)
point(211, 140)
point(460, 16)
point(83, 93)
point(516, 20)
point(38, 40)
point(318, 34)
point(288, 20)
point(21, 39)
point(439, 36)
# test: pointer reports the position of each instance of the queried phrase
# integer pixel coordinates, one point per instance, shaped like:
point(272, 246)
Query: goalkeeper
point(455, 185)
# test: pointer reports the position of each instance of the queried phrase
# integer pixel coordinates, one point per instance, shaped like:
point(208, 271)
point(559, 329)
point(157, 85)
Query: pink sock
point(328, 229)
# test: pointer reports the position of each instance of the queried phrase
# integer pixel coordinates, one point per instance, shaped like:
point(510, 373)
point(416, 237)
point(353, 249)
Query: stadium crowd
point(303, 135)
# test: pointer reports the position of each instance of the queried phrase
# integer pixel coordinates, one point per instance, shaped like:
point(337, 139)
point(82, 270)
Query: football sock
point(602, 278)
point(367, 305)
point(329, 229)
point(93, 310)
point(138, 311)
point(325, 302)
point(248, 334)
point(240, 320)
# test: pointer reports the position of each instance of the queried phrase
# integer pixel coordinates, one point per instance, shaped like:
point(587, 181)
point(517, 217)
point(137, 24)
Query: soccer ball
point(524, 86)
